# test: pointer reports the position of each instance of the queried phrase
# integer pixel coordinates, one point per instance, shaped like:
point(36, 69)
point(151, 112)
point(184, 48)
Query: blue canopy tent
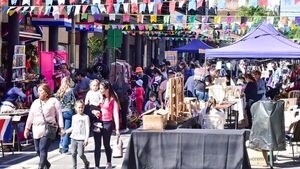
point(262, 42)
point(193, 47)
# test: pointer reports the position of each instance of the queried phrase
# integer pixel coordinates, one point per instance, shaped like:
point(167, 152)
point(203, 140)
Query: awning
point(87, 27)
point(62, 21)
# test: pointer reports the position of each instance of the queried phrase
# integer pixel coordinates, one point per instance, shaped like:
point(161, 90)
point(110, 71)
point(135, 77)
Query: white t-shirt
point(80, 127)
point(93, 98)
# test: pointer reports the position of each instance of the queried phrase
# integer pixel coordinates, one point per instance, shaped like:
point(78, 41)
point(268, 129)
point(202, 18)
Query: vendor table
point(18, 116)
point(227, 107)
point(187, 149)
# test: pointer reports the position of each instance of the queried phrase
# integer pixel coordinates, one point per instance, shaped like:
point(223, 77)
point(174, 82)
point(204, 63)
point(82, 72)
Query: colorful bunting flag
point(263, 3)
point(142, 7)
point(109, 2)
point(166, 19)
point(192, 5)
point(140, 18)
point(101, 8)
point(94, 9)
point(172, 6)
point(55, 12)
point(126, 18)
point(134, 8)
point(297, 1)
point(49, 2)
point(26, 2)
point(96, 2)
point(192, 18)
point(253, 2)
point(221, 4)
point(181, 3)
point(77, 10)
point(229, 19)
point(199, 3)
point(141, 27)
point(110, 9)
point(13, 2)
point(150, 7)
point(112, 17)
point(38, 2)
point(72, 1)
point(60, 2)
point(117, 8)
point(84, 8)
point(84, 16)
point(47, 10)
point(11, 11)
point(159, 7)
point(97, 17)
point(126, 7)
point(32, 8)
point(179, 18)
point(153, 18)
point(61, 9)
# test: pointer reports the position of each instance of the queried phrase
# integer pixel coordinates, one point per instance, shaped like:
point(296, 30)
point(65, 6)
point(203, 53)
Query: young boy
point(80, 130)
point(152, 102)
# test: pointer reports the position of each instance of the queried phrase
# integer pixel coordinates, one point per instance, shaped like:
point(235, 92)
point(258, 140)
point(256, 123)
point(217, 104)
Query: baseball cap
point(138, 69)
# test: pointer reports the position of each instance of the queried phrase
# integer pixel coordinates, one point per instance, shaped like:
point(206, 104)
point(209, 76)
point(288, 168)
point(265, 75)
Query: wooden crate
point(175, 97)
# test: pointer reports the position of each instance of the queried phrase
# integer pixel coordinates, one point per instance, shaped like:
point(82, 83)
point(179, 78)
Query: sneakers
point(108, 166)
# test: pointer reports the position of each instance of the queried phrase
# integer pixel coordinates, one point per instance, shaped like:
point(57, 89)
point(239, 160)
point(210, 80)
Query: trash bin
point(267, 132)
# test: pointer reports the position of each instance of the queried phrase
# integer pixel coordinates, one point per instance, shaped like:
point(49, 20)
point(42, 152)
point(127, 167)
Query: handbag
point(50, 128)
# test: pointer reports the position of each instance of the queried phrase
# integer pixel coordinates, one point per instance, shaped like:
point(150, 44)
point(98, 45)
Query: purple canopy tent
point(193, 47)
point(262, 42)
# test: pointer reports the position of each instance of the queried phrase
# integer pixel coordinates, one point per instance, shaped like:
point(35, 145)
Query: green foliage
point(255, 11)
point(96, 46)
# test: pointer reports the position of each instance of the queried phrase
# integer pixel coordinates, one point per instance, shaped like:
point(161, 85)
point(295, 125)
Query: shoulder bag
point(50, 128)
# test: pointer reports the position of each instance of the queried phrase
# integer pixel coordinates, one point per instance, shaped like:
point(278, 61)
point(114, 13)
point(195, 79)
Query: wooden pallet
point(175, 97)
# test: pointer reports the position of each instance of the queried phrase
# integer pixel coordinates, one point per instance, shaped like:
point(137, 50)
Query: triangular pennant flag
point(199, 3)
point(166, 19)
point(25, 9)
point(221, 4)
point(253, 2)
point(55, 12)
point(134, 8)
point(61, 9)
point(297, 1)
point(204, 19)
point(84, 16)
point(142, 7)
point(192, 18)
point(97, 17)
point(60, 2)
point(110, 9)
point(159, 6)
point(141, 27)
point(120, 27)
point(263, 3)
point(102, 8)
point(150, 7)
point(117, 8)
point(179, 18)
point(4, 2)
point(172, 6)
point(49, 2)
point(84, 8)
point(96, 2)
point(192, 5)
point(13, 2)
point(160, 27)
point(32, 8)
point(47, 10)
point(18, 9)
point(69, 9)
point(242, 3)
point(72, 1)
point(112, 17)
point(217, 19)
point(126, 7)
point(106, 27)
point(150, 27)
point(120, 1)
point(109, 2)
point(77, 10)
point(153, 18)
point(94, 9)
point(85, 1)
point(5, 8)
point(126, 18)
point(181, 3)
point(26, 2)
point(140, 18)
point(41, 8)
point(38, 2)
point(229, 19)
point(132, 27)
point(11, 11)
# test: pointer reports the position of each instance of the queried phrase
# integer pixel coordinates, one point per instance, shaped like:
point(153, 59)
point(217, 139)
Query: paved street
point(28, 160)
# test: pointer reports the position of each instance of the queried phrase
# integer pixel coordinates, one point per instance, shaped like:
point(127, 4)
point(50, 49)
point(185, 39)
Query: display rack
point(19, 64)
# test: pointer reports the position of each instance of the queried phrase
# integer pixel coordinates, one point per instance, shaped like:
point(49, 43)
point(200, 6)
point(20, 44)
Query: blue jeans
point(41, 147)
point(201, 95)
point(65, 140)
point(106, 132)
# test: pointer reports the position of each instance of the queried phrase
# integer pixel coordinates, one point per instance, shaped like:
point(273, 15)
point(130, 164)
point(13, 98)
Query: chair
point(294, 94)
point(294, 136)
point(212, 122)
point(4, 125)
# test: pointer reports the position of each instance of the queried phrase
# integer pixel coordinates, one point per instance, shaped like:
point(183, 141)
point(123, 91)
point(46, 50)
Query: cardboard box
point(155, 119)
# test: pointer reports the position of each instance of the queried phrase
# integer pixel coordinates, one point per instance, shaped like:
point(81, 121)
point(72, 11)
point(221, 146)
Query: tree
point(255, 11)
point(96, 46)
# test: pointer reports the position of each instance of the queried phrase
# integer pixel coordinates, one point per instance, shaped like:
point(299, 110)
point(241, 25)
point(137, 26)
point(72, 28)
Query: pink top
point(110, 109)
point(52, 112)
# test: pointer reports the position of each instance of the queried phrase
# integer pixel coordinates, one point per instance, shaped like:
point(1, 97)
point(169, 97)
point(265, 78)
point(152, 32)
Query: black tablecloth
point(187, 149)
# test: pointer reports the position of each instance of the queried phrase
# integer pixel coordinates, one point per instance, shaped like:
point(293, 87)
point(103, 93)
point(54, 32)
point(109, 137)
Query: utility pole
point(72, 46)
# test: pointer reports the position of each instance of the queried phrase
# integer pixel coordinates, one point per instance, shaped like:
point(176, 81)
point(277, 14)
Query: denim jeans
point(200, 95)
point(106, 132)
point(78, 148)
point(65, 140)
point(41, 147)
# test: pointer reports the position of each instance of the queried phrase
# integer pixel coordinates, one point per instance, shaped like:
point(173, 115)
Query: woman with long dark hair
point(109, 107)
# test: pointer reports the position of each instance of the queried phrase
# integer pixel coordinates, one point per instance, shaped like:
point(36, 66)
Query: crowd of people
point(87, 103)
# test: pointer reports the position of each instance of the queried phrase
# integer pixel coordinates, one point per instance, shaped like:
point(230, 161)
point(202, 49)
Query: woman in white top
point(211, 113)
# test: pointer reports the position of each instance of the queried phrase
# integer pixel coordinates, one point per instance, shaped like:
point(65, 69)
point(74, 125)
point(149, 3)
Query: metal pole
point(72, 46)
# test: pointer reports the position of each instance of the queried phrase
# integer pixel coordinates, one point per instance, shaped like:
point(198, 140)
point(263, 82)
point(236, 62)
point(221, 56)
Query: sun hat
point(139, 82)
point(138, 70)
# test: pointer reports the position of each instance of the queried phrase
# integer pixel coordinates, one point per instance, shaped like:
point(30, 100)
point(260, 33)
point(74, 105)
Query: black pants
point(41, 147)
point(106, 132)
